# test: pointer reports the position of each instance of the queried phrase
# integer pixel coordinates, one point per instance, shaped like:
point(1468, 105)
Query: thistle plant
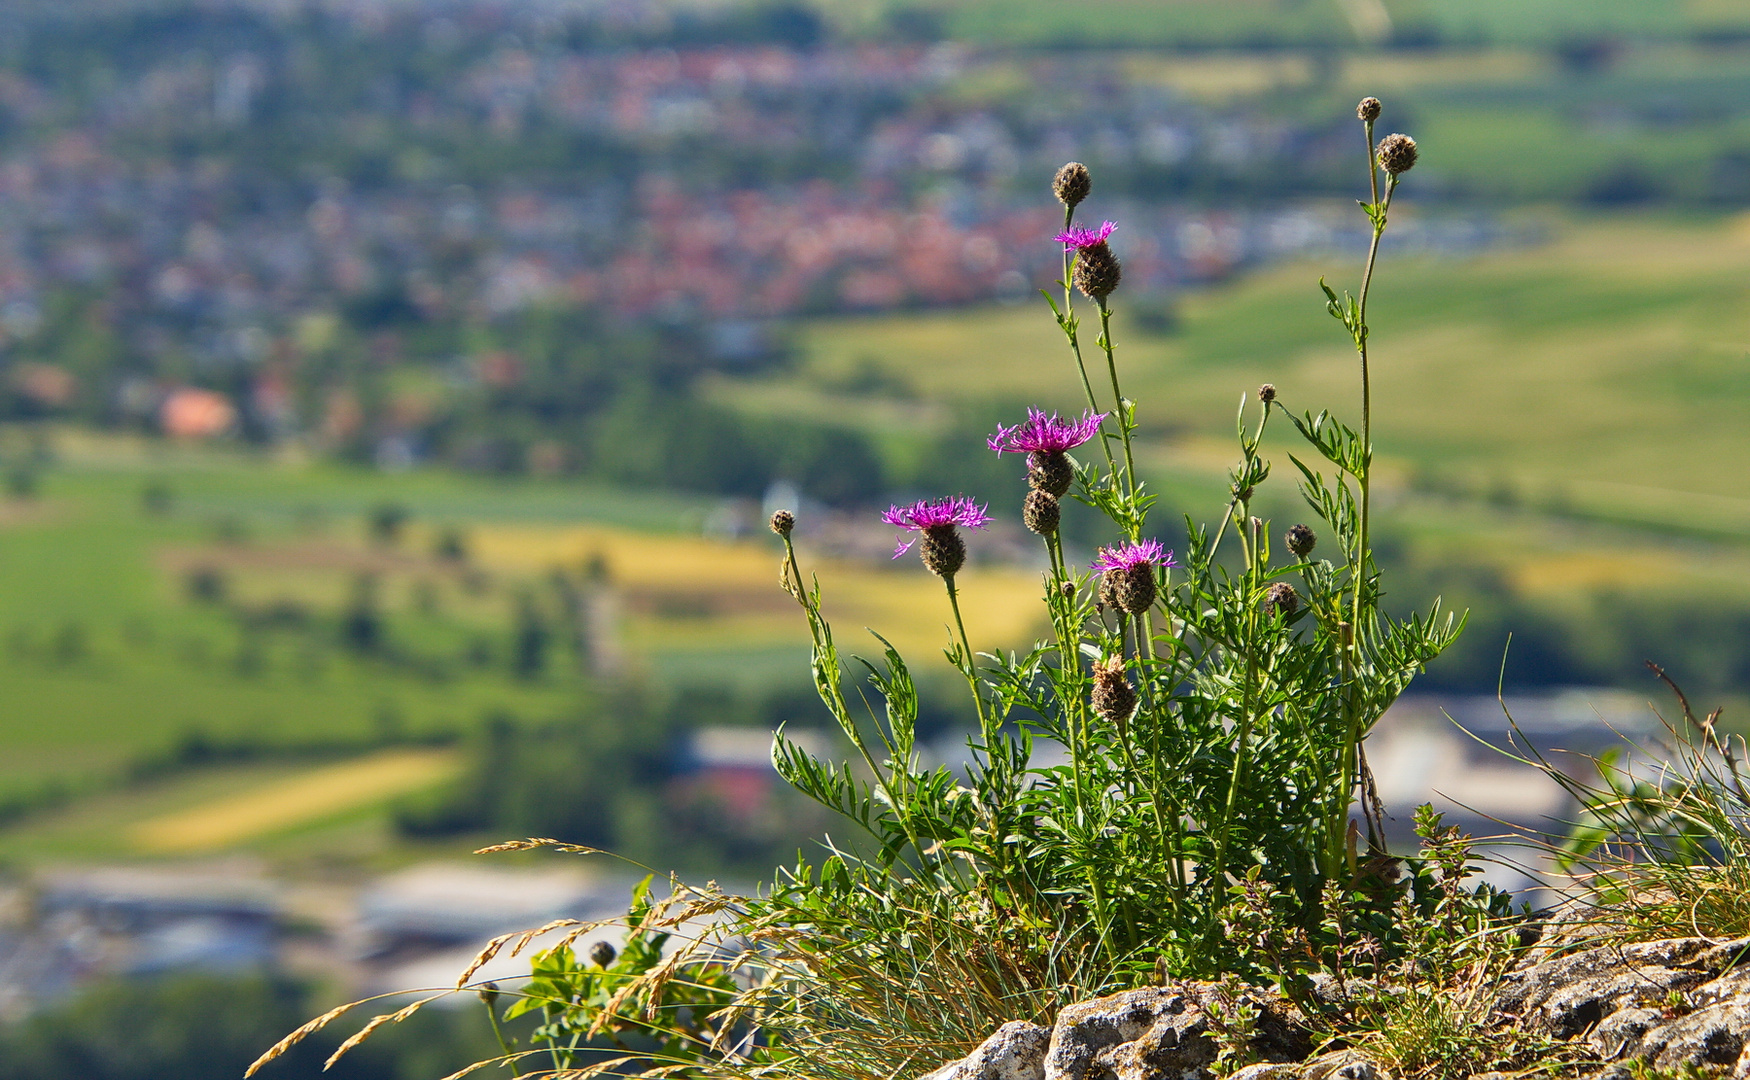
point(1211, 705)
point(1213, 721)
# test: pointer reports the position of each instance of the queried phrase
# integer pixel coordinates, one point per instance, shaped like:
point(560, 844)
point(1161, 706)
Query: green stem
point(971, 668)
point(1070, 670)
point(503, 1043)
point(1248, 691)
point(883, 778)
point(1068, 322)
point(1123, 416)
point(1250, 450)
point(1364, 482)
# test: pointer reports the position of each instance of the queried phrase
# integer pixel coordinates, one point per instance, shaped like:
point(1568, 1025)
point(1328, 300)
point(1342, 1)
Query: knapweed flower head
point(1127, 574)
point(1130, 556)
point(927, 514)
point(1281, 599)
point(1301, 540)
point(1080, 238)
point(1114, 699)
point(943, 552)
point(1097, 270)
point(1072, 184)
point(1042, 434)
point(1044, 439)
point(1041, 512)
point(1397, 154)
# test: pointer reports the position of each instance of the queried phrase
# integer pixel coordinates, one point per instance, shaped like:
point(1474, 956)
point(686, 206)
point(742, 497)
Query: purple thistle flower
point(1042, 434)
point(925, 515)
point(1083, 237)
point(1128, 557)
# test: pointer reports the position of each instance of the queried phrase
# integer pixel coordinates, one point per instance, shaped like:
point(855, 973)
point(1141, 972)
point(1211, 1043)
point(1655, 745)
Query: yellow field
point(737, 585)
point(299, 800)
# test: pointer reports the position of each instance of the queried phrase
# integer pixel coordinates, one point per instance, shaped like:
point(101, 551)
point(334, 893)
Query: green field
point(107, 657)
point(1604, 369)
point(1254, 22)
point(171, 618)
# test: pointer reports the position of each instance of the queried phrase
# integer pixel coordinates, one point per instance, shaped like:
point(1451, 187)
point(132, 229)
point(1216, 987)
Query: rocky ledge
point(1673, 1004)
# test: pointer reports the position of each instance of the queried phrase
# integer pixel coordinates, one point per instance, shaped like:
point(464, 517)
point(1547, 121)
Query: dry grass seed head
point(376, 1022)
point(534, 842)
point(309, 1028)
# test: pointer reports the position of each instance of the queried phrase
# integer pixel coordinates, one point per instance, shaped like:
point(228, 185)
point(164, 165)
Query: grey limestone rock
point(1570, 995)
point(1622, 1030)
point(1016, 1051)
point(1580, 1006)
point(1268, 1070)
point(1342, 1065)
point(1621, 998)
point(1735, 983)
point(1358, 1070)
point(1715, 1035)
point(1155, 1033)
point(1162, 1033)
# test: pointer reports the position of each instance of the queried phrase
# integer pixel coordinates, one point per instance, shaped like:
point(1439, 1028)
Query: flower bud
point(1397, 154)
point(1097, 271)
point(1281, 599)
point(1049, 471)
point(943, 551)
point(1267, 393)
point(488, 993)
point(1072, 184)
point(1114, 699)
point(1301, 540)
point(602, 953)
point(782, 522)
point(1133, 588)
point(1368, 110)
point(1040, 513)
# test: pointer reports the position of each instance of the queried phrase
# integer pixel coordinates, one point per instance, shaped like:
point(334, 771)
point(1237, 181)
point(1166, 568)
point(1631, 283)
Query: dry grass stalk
point(522, 937)
point(534, 842)
point(376, 1022)
point(309, 1028)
